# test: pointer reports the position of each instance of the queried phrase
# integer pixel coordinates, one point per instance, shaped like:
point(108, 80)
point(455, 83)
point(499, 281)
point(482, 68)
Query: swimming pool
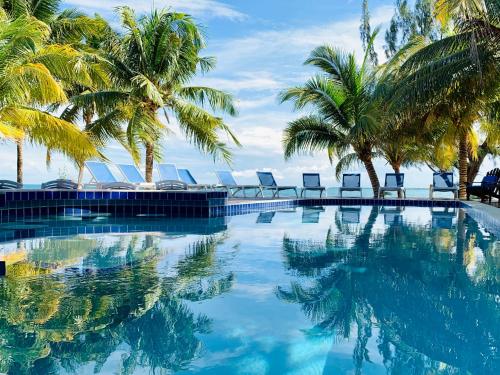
point(313, 290)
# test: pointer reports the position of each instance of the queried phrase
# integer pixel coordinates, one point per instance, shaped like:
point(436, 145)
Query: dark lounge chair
point(9, 185)
point(486, 187)
point(60, 184)
point(267, 182)
point(312, 183)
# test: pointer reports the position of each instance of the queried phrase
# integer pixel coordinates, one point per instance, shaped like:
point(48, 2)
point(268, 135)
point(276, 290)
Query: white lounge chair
point(169, 178)
point(131, 173)
point(10, 185)
point(104, 179)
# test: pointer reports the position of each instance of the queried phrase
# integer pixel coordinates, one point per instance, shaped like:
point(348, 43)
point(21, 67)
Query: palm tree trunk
point(81, 169)
point(475, 164)
point(372, 174)
point(20, 150)
point(462, 167)
point(149, 162)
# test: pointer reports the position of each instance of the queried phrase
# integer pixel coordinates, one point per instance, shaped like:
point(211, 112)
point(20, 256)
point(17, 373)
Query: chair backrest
point(266, 179)
point(394, 180)
point(187, 177)
point(226, 178)
point(350, 215)
point(9, 185)
point(351, 180)
point(443, 180)
point(489, 181)
point(311, 180)
point(100, 172)
point(131, 173)
point(168, 172)
point(60, 184)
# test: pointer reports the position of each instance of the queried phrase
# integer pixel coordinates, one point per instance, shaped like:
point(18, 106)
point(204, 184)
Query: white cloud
point(209, 8)
point(255, 81)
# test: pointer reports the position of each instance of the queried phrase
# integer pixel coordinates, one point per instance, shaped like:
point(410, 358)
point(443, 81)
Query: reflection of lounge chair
point(312, 182)
point(265, 217)
point(443, 182)
point(392, 215)
point(131, 173)
point(350, 214)
point(60, 184)
point(443, 218)
point(104, 179)
point(9, 185)
point(228, 182)
point(267, 182)
point(393, 182)
point(188, 179)
point(351, 182)
point(169, 178)
point(310, 215)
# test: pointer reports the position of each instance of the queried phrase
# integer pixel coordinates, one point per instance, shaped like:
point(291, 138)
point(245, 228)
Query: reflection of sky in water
point(316, 291)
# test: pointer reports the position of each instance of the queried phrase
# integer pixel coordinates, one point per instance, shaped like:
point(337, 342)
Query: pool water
point(317, 290)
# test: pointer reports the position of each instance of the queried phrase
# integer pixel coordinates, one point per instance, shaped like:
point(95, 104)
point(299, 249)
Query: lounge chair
point(484, 188)
point(393, 182)
point(350, 214)
point(228, 182)
point(169, 178)
point(10, 185)
point(392, 215)
point(188, 179)
point(310, 215)
point(60, 184)
point(102, 177)
point(131, 173)
point(351, 182)
point(311, 181)
point(443, 218)
point(267, 182)
point(443, 182)
point(265, 217)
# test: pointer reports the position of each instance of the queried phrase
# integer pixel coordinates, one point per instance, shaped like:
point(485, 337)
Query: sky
point(260, 47)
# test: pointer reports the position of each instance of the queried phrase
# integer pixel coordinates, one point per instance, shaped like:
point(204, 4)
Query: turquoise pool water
point(322, 290)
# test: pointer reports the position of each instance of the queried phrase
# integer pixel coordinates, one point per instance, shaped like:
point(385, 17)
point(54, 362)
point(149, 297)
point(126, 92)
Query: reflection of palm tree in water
point(334, 303)
point(426, 306)
point(93, 313)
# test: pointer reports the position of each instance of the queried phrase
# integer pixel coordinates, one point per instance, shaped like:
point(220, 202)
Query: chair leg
point(296, 192)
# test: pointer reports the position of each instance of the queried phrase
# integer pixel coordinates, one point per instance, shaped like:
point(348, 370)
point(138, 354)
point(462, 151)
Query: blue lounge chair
point(351, 182)
point(392, 215)
point(9, 185)
point(60, 184)
point(131, 173)
point(188, 179)
point(267, 182)
point(310, 214)
point(350, 214)
point(104, 179)
point(312, 182)
point(443, 182)
point(393, 182)
point(442, 218)
point(265, 217)
point(228, 182)
point(169, 178)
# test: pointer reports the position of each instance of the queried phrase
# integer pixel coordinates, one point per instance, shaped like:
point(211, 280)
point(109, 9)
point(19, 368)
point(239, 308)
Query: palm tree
point(31, 76)
point(152, 64)
point(345, 119)
point(456, 78)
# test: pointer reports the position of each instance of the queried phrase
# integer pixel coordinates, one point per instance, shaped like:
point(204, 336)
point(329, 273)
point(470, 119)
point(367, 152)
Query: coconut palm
point(456, 78)
point(153, 62)
point(31, 76)
point(345, 118)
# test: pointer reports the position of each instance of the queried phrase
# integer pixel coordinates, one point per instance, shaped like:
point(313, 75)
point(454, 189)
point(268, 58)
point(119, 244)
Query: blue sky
point(260, 47)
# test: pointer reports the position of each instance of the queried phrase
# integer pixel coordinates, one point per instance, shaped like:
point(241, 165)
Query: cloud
point(206, 8)
point(251, 80)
